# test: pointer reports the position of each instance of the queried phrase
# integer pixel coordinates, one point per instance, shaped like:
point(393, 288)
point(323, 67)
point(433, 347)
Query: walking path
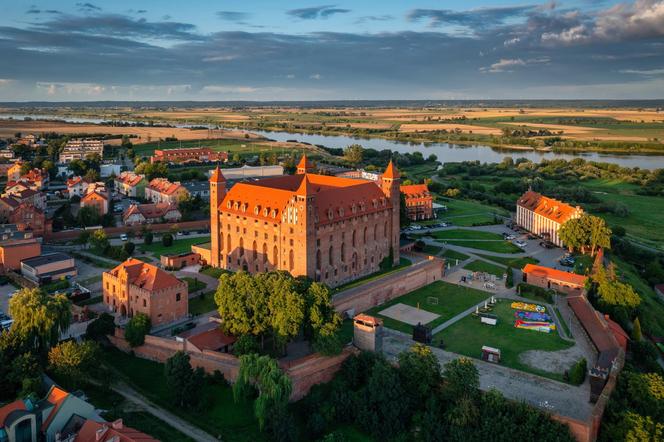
point(183, 426)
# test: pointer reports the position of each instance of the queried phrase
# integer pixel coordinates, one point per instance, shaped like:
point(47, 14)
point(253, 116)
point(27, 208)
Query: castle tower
point(390, 184)
point(305, 166)
point(303, 217)
point(217, 194)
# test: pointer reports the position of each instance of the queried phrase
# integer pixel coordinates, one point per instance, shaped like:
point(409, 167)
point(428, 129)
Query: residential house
point(419, 202)
point(14, 172)
point(96, 197)
point(160, 190)
point(79, 149)
point(198, 189)
point(28, 217)
point(29, 196)
point(138, 287)
point(109, 169)
point(76, 186)
point(7, 206)
point(48, 267)
point(544, 216)
point(188, 155)
point(39, 177)
point(131, 184)
point(151, 213)
point(554, 279)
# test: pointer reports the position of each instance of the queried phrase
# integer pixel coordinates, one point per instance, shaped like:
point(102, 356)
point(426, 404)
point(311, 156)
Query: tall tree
point(419, 370)
point(585, 232)
point(73, 361)
point(39, 319)
point(185, 383)
point(354, 154)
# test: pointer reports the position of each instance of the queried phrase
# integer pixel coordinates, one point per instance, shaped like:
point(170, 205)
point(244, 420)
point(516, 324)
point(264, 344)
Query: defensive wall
point(66, 235)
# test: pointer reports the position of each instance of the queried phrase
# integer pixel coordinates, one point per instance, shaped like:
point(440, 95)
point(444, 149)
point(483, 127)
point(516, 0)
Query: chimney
point(117, 424)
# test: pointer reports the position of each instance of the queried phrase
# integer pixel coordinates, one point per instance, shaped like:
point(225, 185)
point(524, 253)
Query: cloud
point(315, 12)
point(5, 82)
point(643, 72)
point(508, 65)
point(234, 16)
point(475, 18)
point(53, 89)
point(315, 76)
point(34, 10)
point(216, 89)
point(374, 18)
point(88, 7)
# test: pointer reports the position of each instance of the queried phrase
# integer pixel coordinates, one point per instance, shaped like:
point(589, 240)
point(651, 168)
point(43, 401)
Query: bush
point(419, 245)
point(101, 327)
point(532, 291)
point(509, 281)
point(577, 373)
point(137, 328)
point(129, 248)
point(147, 238)
point(245, 344)
point(167, 240)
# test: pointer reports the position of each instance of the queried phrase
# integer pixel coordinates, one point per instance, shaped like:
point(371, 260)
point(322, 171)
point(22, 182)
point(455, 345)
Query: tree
point(91, 176)
point(613, 292)
point(419, 370)
point(263, 373)
point(185, 383)
point(286, 308)
point(242, 303)
point(147, 238)
point(636, 330)
point(461, 378)
point(167, 240)
point(137, 328)
point(83, 237)
point(39, 319)
point(509, 281)
point(101, 327)
point(578, 372)
point(78, 167)
point(129, 248)
point(72, 361)
point(245, 344)
point(88, 216)
point(354, 154)
point(99, 240)
point(585, 232)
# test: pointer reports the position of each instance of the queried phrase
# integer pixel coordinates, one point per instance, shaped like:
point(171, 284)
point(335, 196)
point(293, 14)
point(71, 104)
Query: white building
point(543, 216)
point(80, 148)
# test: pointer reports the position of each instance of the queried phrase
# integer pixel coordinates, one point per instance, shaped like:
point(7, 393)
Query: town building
point(188, 155)
point(131, 184)
point(38, 177)
point(419, 202)
point(116, 431)
point(27, 140)
point(7, 206)
point(27, 196)
point(7, 153)
point(137, 287)
point(160, 190)
point(544, 216)
point(199, 189)
point(14, 172)
point(48, 267)
point(98, 197)
point(251, 172)
point(558, 280)
point(28, 217)
point(179, 260)
point(13, 251)
point(48, 419)
point(109, 169)
point(330, 229)
point(11, 231)
point(80, 148)
point(76, 186)
point(151, 213)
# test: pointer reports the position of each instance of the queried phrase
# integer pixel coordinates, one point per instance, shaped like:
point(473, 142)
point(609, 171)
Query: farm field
point(467, 337)
point(452, 300)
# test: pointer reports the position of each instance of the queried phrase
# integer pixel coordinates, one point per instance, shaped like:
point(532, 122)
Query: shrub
point(244, 345)
point(419, 245)
point(577, 373)
point(129, 248)
point(147, 238)
point(167, 240)
point(509, 281)
point(137, 328)
point(101, 327)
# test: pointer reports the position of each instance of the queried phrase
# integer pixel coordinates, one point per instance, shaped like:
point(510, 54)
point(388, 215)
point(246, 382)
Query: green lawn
point(403, 262)
point(430, 249)
point(194, 284)
point(489, 246)
point(220, 416)
point(583, 264)
point(452, 300)
point(453, 254)
point(563, 322)
point(213, 271)
point(467, 337)
point(202, 304)
point(179, 246)
point(465, 234)
point(482, 266)
point(515, 263)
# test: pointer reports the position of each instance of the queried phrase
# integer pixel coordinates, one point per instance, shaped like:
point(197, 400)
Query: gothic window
point(255, 251)
point(343, 252)
point(330, 256)
point(291, 260)
point(241, 246)
point(264, 252)
point(228, 243)
point(354, 242)
point(275, 256)
point(318, 260)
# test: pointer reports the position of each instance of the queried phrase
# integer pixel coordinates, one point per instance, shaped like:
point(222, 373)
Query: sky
point(54, 50)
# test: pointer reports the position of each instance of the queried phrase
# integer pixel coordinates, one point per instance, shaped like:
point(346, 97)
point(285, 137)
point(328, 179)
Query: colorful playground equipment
point(532, 316)
point(528, 307)
point(544, 327)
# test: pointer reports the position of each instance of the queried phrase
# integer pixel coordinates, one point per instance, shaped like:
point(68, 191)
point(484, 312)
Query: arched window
point(318, 260)
point(291, 260)
point(330, 256)
point(275, 257)
point(375, 230)
point(221, 242)
point(354, 261)
point(386, 232)
point(264, 252)
point(228, 244)
point(343, 252)
point(364, 236)
point(255, 251)
point(241, 246)
point(354, 243)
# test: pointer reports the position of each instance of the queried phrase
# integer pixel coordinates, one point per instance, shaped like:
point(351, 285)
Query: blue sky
point(267, 50)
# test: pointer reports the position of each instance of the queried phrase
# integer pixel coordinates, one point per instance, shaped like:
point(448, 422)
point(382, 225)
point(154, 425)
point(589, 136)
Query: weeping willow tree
point(263, 374)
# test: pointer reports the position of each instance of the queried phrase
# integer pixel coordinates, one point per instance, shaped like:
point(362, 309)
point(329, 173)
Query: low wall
point(381, 290)
point(67, 235)
point(304, 372)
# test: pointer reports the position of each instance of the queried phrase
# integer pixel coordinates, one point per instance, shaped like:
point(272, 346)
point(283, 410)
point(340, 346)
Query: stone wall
point(384, 289)
point(66, 235)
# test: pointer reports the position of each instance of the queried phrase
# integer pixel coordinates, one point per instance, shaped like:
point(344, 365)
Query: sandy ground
point(449, 127)
point(362, 125)
point(552, 361)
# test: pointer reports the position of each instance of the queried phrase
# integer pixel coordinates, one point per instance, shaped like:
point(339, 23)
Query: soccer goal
point(432, 300)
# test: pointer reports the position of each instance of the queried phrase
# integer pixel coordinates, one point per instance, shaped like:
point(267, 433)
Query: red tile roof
point(391, 172)
point(145, 276)
point(149, 211)
point(370, 320)
point(162, 185)
point(415, 190)
point(548, 207)
point(217, 176)
point(9, 408)
point(56, 396)
point(71, 182)
point(554, 274)
point(304, 163)
point(212, 340)
point(93, 431)
point(596, 326)
point(129, 178)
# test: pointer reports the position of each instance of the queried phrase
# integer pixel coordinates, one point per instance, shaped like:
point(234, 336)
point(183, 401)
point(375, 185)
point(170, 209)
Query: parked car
point(520, 243)
point(546, 245)
point(531, 236)
point(124, 237)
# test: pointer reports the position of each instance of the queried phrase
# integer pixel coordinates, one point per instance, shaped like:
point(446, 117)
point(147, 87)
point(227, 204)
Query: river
point(445, 152)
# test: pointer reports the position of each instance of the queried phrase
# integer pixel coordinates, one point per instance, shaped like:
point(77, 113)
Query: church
point(330, 229)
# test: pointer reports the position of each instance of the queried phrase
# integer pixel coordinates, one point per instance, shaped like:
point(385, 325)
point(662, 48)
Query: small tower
point(217, 194)
point(301, 213)
point(390, 184)
point(305, 166)
point(368, 333)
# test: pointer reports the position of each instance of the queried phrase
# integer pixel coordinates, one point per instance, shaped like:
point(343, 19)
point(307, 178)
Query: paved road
point(185, 427)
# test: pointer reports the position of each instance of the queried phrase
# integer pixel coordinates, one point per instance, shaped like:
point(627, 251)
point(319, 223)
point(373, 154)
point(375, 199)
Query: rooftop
point(557, 275)
point(547, 207)
point(144, 275)
point(46, 259)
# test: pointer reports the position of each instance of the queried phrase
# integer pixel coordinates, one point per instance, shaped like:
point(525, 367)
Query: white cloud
point(220, 58)
point(218, 89)
point(70, 89)
point(315, 76)
point(511, 41)
point(508, 64)
point(644, 72)
point(5, 82)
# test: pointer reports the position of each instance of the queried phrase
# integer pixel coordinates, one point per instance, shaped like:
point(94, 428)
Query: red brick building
point(559, 280)
point(137, 287)
point(28, 217)
point(331, 229)
point(188, 155)
point(419, 202)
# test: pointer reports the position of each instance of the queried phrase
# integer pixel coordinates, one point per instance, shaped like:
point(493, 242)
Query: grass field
point(221, 415)
point(482, 266)
point(468, 213)
point(403, 262)
point(452, 300)
point(489, 246)
point(454, 255)
point(467, 337)
point(431, 249)
point(179, 246)
point(202, 304)
point(213, 271)
point(465, 234)
point(194, 284)
point(515, 263)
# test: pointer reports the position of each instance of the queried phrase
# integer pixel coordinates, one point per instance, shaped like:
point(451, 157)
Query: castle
point(330, 229)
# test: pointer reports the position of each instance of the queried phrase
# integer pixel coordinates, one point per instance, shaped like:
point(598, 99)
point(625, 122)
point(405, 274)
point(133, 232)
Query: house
point(558, 280)
point(76, 186)
point(14, 172)
point(7, 206)
point(116, 431)
point(96, 196)
point(160, 190)
point(177, 261)
point(26, 421)
point(48, 267)
point(419, 202)
point(7, 153)
point(544, 216)
point(79, 149)
point(13, 251)
point(138, 287)
point(27, 140)
point(199, 189)
point(151, 213)
point(131, 184)
point(330, 229)
point(109, 169)
point(208, 337)
point(12, 231)
point(27, 217)
point(188, 155)
point(30, 197)
point(39, 177)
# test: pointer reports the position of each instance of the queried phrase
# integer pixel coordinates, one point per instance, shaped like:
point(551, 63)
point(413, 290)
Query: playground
point(516, 332)
point(440, 299)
